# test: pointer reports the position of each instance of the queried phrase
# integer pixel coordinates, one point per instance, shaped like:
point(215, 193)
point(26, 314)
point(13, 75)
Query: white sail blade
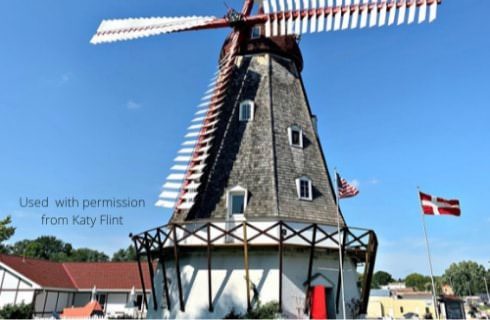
point(297, 21)
point(338, 15)
point(346, 16)
point(169, 195)
point(401, 14)
point(382, 15)
point(195, 126)
point(165, 204)
point(313, 22)
point(355, 15)
point(411, 13)
point(185, 150)
point(189, 142)
point(433, 11)
point(330, 16)
point(306, 6)
point(275, 25)
point(422, 12)
point(182, 158)
point(290, 20)
point(373, 18)
point(364, 15)
point(176, 176)
point(282, 28)
point(179, 167)
point(267, 10)
point(391, 18)
point(321, 18)
point(172, 185)
point(128, 29)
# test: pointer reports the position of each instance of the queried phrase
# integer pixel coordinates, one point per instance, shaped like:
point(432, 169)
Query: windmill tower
point(255, 217)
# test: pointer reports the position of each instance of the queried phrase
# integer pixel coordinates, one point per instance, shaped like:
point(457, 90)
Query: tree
point(6, 231)
point(51, 248)
point(128, 254)
point(87, 255)
point(381, 278)
point(466, 278)
point(418, 281)
point(17, 311)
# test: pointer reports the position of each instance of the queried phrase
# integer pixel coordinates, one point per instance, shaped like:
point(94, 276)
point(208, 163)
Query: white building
point(52, 286)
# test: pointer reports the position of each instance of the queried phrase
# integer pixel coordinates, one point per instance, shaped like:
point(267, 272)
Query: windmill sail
point(342, 14)
point(128, 29)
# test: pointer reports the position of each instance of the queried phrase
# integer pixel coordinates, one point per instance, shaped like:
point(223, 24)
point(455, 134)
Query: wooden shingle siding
point(257, 156)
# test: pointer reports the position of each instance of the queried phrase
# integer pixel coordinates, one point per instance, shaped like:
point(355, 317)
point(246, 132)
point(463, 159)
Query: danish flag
point(432, 205)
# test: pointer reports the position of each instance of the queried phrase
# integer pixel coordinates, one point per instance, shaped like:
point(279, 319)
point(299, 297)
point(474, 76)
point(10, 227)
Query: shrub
point(16, 311)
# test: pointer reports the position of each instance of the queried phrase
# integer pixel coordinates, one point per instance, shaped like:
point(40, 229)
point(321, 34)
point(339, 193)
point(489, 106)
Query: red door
point(318, 303)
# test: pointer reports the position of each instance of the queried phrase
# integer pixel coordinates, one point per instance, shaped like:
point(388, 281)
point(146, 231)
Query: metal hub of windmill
point(255, 215)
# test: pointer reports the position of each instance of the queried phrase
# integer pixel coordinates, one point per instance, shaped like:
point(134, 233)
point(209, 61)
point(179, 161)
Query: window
point(255, 32)
point(295, 134)
point(304, 188)
point(246, 110)
point(401, 309)
point(139, 301)
point(237, 201)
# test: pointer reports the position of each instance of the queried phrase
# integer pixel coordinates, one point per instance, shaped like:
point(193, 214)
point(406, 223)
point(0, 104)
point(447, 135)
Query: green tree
point(87, 255)
point(6, 231)
point(418, 281)
point(18, 311)
point(44, 247)
point(381, 278)
point(466, 278)
point(128, 254)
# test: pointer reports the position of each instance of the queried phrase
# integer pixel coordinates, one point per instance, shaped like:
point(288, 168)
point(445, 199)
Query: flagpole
point(341, 263)
point(428, 256)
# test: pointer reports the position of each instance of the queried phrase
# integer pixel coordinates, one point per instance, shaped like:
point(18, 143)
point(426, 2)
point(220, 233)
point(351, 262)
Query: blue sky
point(398, 108)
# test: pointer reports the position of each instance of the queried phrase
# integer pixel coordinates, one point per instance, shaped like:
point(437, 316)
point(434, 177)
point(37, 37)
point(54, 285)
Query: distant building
point(394, 286)
point(400, 303)
point(52, 286)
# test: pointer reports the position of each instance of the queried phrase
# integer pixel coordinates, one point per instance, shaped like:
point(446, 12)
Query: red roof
point(90, 309)
point(79, 275)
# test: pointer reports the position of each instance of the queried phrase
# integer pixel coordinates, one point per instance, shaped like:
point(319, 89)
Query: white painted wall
point(11, 283)
point(229, 285)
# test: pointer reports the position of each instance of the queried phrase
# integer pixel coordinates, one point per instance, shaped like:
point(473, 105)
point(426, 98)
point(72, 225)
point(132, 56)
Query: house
point(400, 303)
point(53, 286)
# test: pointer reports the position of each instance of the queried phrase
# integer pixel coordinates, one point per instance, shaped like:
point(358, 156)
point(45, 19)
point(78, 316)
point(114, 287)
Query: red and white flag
point(433, 205)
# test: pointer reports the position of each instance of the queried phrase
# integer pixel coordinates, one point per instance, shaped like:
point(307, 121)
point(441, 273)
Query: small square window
point(304, 188)
point(246, 110)
point(295, 136)
point(237, 203)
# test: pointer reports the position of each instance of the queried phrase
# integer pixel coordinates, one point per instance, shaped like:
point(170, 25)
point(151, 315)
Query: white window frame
point(292, 128)
point(310, 188)
point(252, 107)
point(237, 190)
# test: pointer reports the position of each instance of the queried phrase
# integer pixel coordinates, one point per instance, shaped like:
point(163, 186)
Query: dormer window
point(304, 188)
point(246, 110)
point(237, 201)
point(295, 134)
point(255, 32)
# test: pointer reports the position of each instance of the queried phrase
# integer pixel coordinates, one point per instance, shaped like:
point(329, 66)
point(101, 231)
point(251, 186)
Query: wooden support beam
point(210, 288)
point(138, 259)
point(312, 255)
point(245, 261)
point(44, 303)
point(281, 253)
point(177, 269)
point(368, 271)
point(341, 266)
point(152, 272)
point(161, 258)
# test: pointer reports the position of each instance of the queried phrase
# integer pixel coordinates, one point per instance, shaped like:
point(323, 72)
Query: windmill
point(254, 209)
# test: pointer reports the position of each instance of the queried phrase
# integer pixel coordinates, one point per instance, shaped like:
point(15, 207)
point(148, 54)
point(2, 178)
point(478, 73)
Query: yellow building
point(397, 307)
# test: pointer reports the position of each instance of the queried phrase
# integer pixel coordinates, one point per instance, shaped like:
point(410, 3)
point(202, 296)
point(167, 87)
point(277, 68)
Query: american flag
point(345, 189)
point(433, 205)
